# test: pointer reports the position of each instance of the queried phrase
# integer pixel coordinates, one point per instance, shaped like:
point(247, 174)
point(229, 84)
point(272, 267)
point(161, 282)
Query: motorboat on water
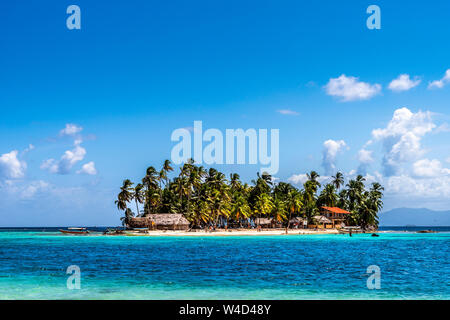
point(75, 231)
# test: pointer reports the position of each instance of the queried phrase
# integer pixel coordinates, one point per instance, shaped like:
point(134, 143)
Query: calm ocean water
point(33, 265)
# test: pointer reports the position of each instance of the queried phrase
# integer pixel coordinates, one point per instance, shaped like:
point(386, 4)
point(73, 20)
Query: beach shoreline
point(223, 232)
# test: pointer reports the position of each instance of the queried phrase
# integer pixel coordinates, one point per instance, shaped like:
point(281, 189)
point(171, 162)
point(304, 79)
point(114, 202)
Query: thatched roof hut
point(296, 220)
point(322, 219)
point(264, 222)
point(161, 221)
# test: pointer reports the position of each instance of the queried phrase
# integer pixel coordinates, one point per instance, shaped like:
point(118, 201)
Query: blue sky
point(137, 70)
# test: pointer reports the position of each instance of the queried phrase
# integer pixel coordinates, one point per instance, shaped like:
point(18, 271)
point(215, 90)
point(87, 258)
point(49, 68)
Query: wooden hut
point(161, 221)
point(336, 215)
point(296, 223)
point(322, 222)
point(265, 222)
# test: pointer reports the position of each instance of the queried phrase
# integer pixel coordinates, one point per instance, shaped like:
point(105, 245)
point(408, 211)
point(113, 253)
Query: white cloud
point(29, 148)
point(11, 167)
point(423, 189)
point(403, 83)
point(288, 112)
point(331, 149)
point(402, 138)
point(32, 188)
point(410, 179)
point(298, 178)
point(302, 178)
point(365, 158)
point(88, 168)
point(440, 83)
point(429, 168)
point(350, 89)
point(67, 161)
point(70, 130)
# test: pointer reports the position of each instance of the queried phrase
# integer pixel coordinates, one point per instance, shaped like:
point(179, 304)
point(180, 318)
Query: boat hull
point(73, 232)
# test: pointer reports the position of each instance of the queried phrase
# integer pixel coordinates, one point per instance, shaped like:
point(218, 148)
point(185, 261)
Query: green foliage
point(208, 199)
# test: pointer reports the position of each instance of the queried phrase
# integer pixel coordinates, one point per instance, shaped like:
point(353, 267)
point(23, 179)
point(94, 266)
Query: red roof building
point(336, 215)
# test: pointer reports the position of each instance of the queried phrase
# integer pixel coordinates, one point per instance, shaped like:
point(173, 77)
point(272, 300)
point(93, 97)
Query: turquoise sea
point(33, 265)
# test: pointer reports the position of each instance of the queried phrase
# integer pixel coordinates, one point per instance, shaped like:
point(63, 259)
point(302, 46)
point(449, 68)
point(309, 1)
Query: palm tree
point(235, 183)
point(126, 219)
point(263, 206)
point(167, 168)
point(313, 176)
point(240, 208)
point(125, 195)
point(121, 205)
point(294, 205)
point(161, 177)
point(150, 181)
point(207, 198)
point(138, 196)
point(328, 196)
point(338, 180)
point(355, 190)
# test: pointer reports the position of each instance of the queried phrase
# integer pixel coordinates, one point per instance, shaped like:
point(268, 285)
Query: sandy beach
point(223, 232)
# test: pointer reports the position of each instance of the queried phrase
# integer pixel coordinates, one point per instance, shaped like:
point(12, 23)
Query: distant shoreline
point(222, 232)
point(105, 227)
point(96, 231)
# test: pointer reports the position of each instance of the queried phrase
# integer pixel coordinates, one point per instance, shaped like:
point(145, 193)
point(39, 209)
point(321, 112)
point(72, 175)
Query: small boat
point(375, 235)
point(426, 231)
point(350, 230)
point(111, 231)
point(75, 231)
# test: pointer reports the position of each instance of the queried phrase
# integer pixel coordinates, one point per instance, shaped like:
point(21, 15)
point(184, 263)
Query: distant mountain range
point(414, 217)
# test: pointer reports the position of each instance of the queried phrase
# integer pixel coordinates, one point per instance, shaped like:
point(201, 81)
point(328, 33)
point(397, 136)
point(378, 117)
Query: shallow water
point(413, 266)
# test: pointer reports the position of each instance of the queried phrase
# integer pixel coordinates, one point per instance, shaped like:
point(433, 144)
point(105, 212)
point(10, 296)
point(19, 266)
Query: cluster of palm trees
point(208, 199)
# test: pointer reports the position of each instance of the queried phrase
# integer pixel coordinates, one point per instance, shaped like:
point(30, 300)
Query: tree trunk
point(289, 221)
point(137, 207)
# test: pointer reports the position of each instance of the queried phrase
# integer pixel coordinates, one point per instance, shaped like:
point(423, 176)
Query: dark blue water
point(413, 266)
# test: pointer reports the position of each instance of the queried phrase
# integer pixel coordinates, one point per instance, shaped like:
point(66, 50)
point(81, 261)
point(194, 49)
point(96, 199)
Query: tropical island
point(198, 199)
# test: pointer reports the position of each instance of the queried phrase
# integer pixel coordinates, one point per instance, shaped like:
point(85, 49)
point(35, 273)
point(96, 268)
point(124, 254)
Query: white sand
point(222, 232)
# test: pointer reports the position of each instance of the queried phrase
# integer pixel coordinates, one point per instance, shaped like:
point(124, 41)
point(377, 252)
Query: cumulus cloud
point(67, 161)
point(365, 158)
point(350, 88)
point(31, 189)
point(288, 112)
point(88, 168)
point(402, 138)
point(11, 167)
point(438, 84)
point(302, 178)
point(429, 168)
point(331, 149)
point(408, 187)
point(70, 130)
point(404, 83)
point(298, 178)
